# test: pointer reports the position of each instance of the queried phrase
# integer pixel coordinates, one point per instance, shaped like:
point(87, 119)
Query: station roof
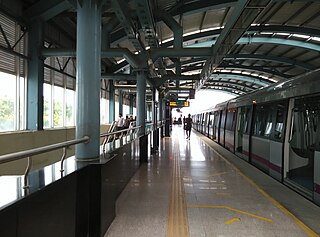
point(227, 45)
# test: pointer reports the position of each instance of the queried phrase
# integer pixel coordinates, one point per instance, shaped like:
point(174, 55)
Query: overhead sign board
point(179, 103)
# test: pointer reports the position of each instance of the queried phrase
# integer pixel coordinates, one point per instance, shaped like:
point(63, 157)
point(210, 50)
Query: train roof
point(308, 83)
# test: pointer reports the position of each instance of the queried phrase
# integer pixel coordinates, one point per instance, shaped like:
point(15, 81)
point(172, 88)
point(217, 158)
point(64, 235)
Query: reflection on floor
point(187, 189)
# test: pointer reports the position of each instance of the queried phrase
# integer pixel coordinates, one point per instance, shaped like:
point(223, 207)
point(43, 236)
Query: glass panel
point(7, 101)
point(262, 121)
point(230, 120)
point(47, 107)
point(223, 119)
point(278, 130)
point(58, 106)
point(22, 105)
point(70, 107)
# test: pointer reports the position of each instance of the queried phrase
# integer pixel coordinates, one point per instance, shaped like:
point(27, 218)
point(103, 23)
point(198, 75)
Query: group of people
point(124, 123)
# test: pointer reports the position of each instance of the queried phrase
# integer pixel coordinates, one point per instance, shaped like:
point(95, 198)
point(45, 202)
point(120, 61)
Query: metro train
point(276, 129)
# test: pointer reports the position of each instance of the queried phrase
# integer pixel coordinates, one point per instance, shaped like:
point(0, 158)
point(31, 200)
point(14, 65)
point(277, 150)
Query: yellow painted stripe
point(232, 209)
point(177, 223)
point(303, 226)
point(231, 221)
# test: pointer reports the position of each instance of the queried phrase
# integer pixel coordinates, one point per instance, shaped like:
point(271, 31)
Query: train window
point(211, 118)
point(278, 131)
point(262, 121)
point(230, 120)
point(223, 119)
point(246, 119)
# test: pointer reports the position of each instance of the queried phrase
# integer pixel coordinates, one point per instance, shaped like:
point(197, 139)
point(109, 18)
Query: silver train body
point(276, 129)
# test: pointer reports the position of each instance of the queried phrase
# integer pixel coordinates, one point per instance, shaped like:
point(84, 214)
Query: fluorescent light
point(183, 94)
point(301, 36)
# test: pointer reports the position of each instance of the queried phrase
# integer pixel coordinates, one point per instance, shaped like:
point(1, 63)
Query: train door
point(243, 132)
point(211, 125)
point(216, 126)
point(302, 146)
point(222, 127)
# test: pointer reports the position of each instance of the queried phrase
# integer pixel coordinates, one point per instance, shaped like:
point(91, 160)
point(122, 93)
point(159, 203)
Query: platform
point(190, 188)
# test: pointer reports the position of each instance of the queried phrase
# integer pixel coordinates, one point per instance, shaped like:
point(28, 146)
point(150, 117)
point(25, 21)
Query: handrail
point(119, 131)
point(122, 132)
point(39, 150)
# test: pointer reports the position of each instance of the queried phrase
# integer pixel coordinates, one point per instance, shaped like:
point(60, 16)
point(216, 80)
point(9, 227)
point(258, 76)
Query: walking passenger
point(188, 126)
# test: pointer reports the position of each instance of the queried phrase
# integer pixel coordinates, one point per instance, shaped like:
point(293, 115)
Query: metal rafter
point(123, 15)
point(244, 13)
point(46, 10)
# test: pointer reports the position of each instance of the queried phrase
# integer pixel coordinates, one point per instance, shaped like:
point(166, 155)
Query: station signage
point(179, 103)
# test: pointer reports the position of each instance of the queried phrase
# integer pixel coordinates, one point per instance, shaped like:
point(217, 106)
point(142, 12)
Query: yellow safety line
point(303, 226)
point(177, 223)
point(232, 209)
point(231, 221)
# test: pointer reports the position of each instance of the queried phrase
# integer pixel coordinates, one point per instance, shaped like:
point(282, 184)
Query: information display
point(179, 103)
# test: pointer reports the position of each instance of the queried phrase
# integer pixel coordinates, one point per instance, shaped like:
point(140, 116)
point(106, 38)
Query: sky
point(204, 99)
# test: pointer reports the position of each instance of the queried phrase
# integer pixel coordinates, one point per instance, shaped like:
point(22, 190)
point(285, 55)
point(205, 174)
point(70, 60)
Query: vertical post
point(35, 78)
point(121, 103)
point(131, 104)
point(161, 114)
point(155, 119)
point(141, 115)
point(88, 77)
point(112, 116)
point(141, 101)
point(168, 118)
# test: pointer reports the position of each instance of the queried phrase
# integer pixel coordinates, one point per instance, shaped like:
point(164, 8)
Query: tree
point(6, 114)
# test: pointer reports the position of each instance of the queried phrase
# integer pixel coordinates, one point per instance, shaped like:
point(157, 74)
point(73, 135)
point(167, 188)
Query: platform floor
point(190, 188)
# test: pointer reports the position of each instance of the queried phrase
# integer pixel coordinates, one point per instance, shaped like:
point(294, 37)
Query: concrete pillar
point(154, 120)
point(141, 115)
point(131, 104)
point(121, 103)
point(88, 77)
point(141, 101)
point(161, 114)
point(112, 111)
point(35, 77)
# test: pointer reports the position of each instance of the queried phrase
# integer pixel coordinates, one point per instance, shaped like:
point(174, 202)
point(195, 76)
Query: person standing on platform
point(188, 125)
point(120, 122)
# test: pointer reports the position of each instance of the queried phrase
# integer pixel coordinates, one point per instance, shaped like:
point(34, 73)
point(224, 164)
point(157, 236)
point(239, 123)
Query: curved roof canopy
point(233, 46)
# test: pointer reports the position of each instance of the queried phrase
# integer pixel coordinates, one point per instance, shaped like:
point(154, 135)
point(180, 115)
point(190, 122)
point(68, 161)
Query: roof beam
point(146, 19)
point(46, 10)
point(123, 15)
point(244, 13)
point(247, 78)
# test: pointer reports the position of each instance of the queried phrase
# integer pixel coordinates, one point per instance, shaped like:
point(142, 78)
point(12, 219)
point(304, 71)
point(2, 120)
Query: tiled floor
point(187, 180)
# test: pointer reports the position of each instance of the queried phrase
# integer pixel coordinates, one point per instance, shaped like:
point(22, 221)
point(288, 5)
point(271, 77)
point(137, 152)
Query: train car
point(277, 129)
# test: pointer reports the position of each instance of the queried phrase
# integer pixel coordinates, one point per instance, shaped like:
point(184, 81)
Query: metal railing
point(36, 151)
point(113, 135)
point(108, 137)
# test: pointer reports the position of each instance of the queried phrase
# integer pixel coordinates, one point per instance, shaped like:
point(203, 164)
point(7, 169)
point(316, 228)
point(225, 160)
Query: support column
point(141, 115)
point(121, 103)
point(155, 120)
point(141, 101)
point(131, 104)
point(168, 118)
point(35, 77)
point(112, 111)
point(88, 77)
point(161, 114)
